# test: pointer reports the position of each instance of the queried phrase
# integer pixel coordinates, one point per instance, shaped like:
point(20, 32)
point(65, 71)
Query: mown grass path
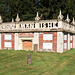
point(43, 63)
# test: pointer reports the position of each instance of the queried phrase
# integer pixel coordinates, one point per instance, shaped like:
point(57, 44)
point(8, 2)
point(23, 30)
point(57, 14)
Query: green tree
point(27, 8)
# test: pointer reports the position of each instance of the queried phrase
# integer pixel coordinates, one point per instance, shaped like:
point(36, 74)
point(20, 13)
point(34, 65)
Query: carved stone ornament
point(1, 19)
point(17, 18)
point(73, 22)
point(60, 16)
point(67, 19)
point(37, 17)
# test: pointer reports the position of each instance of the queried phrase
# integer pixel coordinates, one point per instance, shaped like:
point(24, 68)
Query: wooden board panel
point(27, 45)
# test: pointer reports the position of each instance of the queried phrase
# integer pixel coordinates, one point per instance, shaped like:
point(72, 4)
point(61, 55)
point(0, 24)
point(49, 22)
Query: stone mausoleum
point(42, 35)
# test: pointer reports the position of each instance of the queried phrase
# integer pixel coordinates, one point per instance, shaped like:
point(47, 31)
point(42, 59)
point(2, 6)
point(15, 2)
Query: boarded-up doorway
point(27, 44)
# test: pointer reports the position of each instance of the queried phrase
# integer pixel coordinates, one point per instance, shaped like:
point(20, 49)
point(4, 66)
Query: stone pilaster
point(59, 42)
point(16, 41)
point(73, 41)
point(36, 39)
point(68, 41)
point(20, 44)
point(0, 40)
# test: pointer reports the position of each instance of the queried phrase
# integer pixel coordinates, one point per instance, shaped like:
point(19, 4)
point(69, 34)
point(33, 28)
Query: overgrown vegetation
point(43, 63)
point(27, 8)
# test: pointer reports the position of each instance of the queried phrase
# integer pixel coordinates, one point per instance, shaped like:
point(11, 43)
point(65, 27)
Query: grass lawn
point(43, 63)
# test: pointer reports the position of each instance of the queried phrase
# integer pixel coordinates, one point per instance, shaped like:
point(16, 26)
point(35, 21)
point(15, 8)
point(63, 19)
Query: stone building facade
point(41, 35)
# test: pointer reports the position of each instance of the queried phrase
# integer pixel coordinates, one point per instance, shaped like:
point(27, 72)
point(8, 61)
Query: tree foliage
point(27, 8)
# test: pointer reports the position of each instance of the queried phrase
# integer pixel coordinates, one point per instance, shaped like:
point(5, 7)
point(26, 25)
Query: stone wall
point(65, 41)
point(45, 41)
point(6, 42)
point(53, 41)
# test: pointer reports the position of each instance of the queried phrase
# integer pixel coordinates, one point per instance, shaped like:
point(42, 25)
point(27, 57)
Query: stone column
point(0, 40)
point(20, 44)
point(68, 41)
point(36, 40)
point(73, 41)
point(16, 41)
point(59, 42)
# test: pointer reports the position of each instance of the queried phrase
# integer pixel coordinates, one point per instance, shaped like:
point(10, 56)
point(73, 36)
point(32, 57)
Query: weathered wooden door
point(27, 45)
